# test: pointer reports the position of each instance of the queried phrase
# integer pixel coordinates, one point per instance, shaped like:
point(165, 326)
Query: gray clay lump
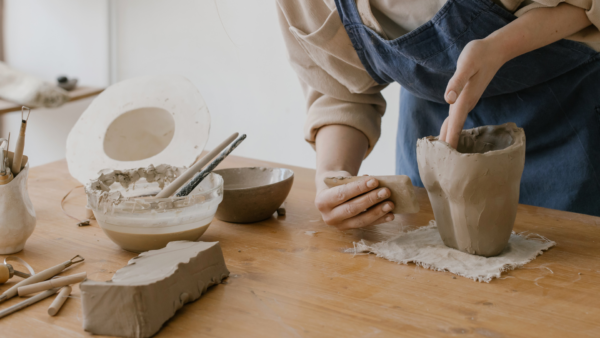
point(143, 295)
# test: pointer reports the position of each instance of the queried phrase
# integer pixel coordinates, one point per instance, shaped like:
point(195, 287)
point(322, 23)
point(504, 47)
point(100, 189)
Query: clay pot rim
point(518, 141)
point(291, 177)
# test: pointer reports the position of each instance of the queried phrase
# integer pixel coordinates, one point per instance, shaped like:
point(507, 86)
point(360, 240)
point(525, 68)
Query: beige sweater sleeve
point(337, 87)
point(591, 35)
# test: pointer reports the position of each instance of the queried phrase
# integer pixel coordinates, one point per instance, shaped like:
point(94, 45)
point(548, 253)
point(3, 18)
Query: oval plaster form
point(474, 191)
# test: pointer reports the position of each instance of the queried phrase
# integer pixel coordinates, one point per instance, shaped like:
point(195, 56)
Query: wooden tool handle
point(16, 164)
point(59, 300)
point(46, 274)
point(180, 181)
point(53, 283)
point(28, 302)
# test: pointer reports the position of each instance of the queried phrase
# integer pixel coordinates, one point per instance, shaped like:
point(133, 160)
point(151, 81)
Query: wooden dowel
point(48, 273)
point(187, 189)
point(53, 283)
point(28, 302)
point(179, 181)
point(59, 300)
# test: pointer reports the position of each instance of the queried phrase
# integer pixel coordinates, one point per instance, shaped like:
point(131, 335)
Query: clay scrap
point(143, 295)
point(474, 191)
point(403, 193)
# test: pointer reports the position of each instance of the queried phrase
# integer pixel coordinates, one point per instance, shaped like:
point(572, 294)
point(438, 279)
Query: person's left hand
point(476, 66)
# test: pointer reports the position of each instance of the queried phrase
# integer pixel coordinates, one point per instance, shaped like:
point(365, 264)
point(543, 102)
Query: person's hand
point(353, 205)
point(478, 63)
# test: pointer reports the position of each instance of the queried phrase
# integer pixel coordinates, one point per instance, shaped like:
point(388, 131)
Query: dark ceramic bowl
point(253, 194)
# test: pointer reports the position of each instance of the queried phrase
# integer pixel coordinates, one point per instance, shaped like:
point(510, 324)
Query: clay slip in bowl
point(138, 224)
point(253, 194)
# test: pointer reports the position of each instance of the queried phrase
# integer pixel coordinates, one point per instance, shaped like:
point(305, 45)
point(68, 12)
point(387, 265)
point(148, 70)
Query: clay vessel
point(474, 189)
point(253, 194)
point(17, 216)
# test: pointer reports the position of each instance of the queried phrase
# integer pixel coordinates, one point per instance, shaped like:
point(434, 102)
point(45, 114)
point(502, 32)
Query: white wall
point(47, 38)
point(239, 63)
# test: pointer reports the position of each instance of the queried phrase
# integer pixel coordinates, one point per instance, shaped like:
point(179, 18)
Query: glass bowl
point(130, 216)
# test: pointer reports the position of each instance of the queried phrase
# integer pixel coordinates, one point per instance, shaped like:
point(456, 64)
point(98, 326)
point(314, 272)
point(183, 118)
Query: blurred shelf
point(74, 95)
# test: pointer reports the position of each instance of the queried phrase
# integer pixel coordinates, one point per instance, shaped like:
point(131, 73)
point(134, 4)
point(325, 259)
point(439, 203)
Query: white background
point(232, 50)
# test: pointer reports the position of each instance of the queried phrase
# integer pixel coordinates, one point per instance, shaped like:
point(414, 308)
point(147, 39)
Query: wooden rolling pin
point(59, 300)
point(53, 283)
point(42, 276)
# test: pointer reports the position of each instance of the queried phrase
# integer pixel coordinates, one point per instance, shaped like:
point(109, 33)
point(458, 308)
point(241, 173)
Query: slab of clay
point(143, 295)
point(253, 194)
point(474, 191)
point(403, 193)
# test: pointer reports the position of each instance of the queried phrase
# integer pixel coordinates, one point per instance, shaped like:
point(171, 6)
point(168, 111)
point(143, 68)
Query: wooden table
point(74, 95)
point(288, 283)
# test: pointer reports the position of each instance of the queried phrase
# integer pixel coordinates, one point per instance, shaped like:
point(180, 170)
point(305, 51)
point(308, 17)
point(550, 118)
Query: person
point(461, 64)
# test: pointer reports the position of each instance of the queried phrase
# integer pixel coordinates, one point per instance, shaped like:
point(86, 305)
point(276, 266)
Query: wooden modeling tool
point(59, 300)
point(180, 181)
point(6, 175)
point(39, 277)
point(28, 302)
point(53, 283)
point(187, 189)
point(16, 164)
point(7, 271)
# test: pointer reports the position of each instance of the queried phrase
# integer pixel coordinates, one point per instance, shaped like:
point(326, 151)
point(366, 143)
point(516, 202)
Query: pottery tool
point(187, 189)
point(5, 173)
point(59, 300)
point(53, 283)
point(16, 164)
point(28, 302)
point(179, 181)
point(42, 276)
point(7, 271)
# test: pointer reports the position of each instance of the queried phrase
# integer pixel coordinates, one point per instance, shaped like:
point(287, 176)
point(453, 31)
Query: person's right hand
point(355, 205)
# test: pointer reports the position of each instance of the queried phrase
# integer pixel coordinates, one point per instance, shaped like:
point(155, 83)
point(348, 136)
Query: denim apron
point(553, 93)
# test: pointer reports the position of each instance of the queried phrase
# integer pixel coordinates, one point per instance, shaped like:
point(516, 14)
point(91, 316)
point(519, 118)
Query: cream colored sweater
point(338, 90)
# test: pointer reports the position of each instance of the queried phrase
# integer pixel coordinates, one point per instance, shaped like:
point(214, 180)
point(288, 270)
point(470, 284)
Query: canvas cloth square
point(424, 247)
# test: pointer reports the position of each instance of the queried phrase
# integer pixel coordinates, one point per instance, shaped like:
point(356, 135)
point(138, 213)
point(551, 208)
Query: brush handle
point(53, 283)
point(16, 164)
point(59, 300)
point(28, 302)
point(179, 181)
point(186, 190)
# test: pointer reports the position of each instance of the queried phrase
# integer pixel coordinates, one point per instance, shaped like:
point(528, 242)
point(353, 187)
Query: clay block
point(474, 191)
point(403, 193)
point(143, 295)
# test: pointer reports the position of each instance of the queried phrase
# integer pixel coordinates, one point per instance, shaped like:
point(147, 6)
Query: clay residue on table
point(474, 191)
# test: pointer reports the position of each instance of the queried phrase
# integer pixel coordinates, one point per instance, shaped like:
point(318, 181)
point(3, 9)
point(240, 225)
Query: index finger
point(340, 194)
point(458, 115)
